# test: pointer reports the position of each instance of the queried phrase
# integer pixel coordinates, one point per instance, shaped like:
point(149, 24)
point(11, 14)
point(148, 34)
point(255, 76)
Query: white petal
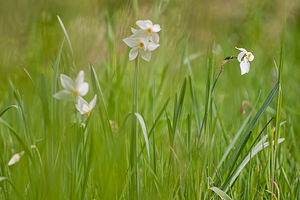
point(140, 34)
point(132, 41)
point(15, 158)
point(155, 37)
point(146, 55)
point(83, 89)
point(133, 30)
point(245, 67)
point(240, 56)
point(156, 28)
point(66, 82)
point(152, 46)
point(143, 24)
point(133, 53)
point(80, 78)
point(93, 102)
point(82, 106)
point(63, 94)
point(251, 56)
point(242, 49)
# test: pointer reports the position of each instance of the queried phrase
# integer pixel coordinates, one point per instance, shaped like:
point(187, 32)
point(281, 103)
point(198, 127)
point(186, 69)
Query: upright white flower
point(72, 88)
point(15, 158)
point(84, 107)
point(244, 58)
point(140, 44)
point(147, 28)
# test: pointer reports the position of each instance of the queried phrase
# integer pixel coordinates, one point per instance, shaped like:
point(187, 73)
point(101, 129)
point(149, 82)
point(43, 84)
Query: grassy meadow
point(163, 129)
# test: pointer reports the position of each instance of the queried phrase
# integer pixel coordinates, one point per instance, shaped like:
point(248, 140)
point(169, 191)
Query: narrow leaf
point(221, 193)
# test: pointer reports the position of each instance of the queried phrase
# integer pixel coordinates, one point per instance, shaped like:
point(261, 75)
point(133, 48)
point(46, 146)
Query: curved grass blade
point(65, 32)
point(12, 130)
point(7, 108)
point(221, 193)
point(144, 130)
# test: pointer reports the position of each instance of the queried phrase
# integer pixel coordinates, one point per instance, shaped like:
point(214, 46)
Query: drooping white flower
point(148, 29)
point(140, 44)
point(244, 58)
point(72, 88)
point(84, 107)
point(15, 158)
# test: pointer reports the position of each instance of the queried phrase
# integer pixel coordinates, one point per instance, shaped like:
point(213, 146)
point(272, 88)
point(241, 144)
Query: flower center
point(88, 113)
point(248, 56)
point(149, 31)
point(141, 45)
point(75, 93)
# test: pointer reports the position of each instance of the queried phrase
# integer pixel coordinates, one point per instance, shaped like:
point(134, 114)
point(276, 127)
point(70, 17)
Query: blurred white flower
point(84, 107)
point(147, 28)
point(15, 158)
point(140, 44)
point(244, 58)
point(72, 88)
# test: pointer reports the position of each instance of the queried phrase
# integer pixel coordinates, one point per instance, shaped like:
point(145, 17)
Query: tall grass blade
point(66, 33)
point(144, 130)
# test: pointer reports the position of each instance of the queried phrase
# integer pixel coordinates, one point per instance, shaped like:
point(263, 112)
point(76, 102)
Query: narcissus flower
point(72, 88)
point(149, 29)
point(15, 158)
point(244, 58)
point(84, 107)
point(144, 40)
point(139, 44)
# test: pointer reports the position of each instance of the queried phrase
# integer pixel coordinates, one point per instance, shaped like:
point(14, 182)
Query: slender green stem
point(136, 73)
point(154, 154)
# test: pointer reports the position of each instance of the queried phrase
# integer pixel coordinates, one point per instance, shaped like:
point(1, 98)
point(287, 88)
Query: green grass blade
point(97, 86)
point(66, 33)
point(12, 130)
point(144, 130)
point(155, 124)
point(195, 104)
point(221, 193)
point(177, 110)
point(2, 112)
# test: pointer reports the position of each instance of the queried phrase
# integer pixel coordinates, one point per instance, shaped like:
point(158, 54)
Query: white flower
point(140, 44)
point(148, 29)
point(15, 158)
point(244, 58)
point(72, 88)
point(84, 107)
